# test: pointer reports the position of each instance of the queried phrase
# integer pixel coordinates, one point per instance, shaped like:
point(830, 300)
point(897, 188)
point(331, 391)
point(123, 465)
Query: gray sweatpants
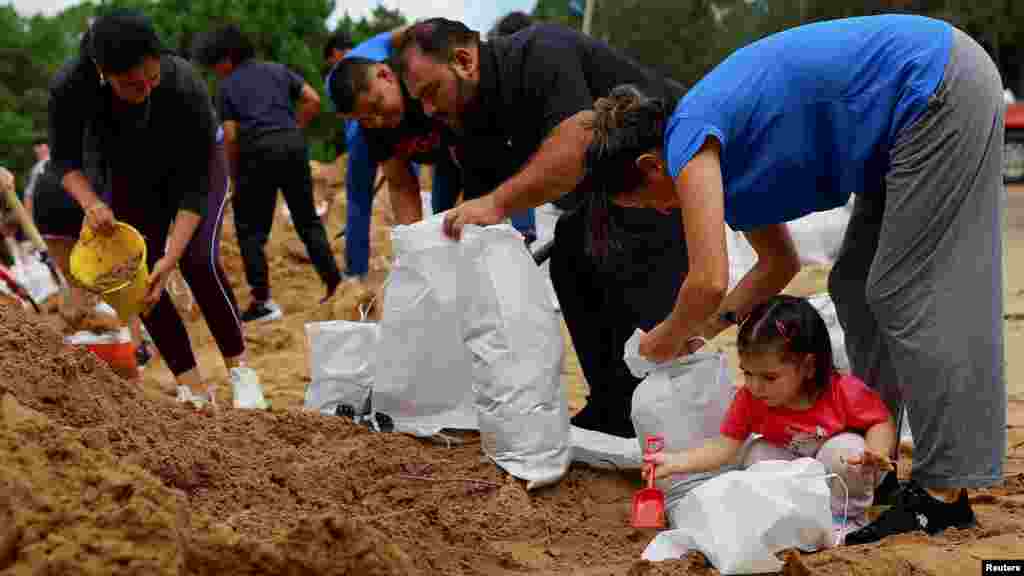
point(918, 284)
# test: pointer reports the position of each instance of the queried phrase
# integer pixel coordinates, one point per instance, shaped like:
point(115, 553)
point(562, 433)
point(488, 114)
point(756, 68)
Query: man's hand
point(481, 211)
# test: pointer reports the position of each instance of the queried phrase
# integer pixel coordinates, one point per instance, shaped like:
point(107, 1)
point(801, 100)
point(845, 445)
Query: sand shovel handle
point(24, 219)
point(29, 227)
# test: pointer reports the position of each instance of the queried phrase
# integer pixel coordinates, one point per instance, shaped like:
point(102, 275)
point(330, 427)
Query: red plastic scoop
point(649, 503)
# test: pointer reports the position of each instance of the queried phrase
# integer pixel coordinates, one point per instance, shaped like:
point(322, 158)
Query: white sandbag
point(684, 401)
point(515, 338)
point(342, 361)
point(35, 277)
point(89, 338)
point(817, 236)
point(424, 374)
point(741, 519)
point(600, 450)
point(824, 305)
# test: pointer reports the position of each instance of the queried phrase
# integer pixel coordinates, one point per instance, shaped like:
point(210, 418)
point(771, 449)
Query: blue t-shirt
point(377, 48)
point(260, 97)
point(807, 116)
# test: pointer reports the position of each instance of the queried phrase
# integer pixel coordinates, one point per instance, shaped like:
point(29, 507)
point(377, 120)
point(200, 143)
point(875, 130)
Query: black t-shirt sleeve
point(380, 143)
point(68, 101)
point(555, 82)
point(198, 133)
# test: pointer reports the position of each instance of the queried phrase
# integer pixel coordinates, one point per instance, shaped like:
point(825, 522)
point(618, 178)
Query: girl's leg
point(854, 490)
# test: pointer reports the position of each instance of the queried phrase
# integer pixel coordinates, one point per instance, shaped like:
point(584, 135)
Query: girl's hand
point(663, 344)
point(871, 459)
point(158, 282)
point(661, 462)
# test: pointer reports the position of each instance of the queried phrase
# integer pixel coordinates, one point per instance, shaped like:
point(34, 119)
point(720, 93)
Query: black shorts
point(55, 212)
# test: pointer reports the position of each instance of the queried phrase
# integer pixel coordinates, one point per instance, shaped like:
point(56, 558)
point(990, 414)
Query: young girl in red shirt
point(800, 406)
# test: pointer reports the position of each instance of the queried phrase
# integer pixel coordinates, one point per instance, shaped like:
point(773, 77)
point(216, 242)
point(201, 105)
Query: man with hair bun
point(526, 99)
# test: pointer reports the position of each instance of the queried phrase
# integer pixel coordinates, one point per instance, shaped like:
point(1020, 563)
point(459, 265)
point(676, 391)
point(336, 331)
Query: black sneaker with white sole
point(887, 490)
point(916, 509)
point(262, 312)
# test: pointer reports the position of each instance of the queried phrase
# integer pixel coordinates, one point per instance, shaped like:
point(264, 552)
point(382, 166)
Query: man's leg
point(254, 201)
point(297, 188)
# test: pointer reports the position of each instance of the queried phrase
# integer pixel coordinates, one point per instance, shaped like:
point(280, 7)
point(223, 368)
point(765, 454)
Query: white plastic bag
point(515, 338)
point(684, 401)
point(741, 519)
point(424, 373)
point(35, 277)
point(824, 305)
point(342, 358)
point(600, 450)
point(817, 236)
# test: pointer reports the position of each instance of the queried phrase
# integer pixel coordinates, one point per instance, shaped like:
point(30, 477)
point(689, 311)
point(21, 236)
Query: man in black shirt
point(526, 99)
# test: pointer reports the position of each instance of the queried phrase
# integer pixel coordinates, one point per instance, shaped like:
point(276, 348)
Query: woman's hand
point(100, 218)
point(158, 282)
point(663, 343)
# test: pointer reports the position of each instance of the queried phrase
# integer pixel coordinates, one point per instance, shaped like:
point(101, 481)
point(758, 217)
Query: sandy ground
point(102, 476)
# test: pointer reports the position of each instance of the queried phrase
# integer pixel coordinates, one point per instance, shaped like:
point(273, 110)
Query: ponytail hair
point(626, 124)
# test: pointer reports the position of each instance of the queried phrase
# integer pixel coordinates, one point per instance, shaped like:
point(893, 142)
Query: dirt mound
point(76, 510)
point(96, 478)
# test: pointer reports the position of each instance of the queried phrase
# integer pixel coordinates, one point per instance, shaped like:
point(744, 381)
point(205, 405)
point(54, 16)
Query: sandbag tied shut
point(512, 330)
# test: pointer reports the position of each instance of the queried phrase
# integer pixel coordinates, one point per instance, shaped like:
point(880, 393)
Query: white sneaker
point(198, 401)
point(184, 395)
point(247, 390)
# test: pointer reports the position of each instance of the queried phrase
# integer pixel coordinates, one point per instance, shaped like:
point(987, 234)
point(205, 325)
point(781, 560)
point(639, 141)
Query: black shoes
point(916, 509)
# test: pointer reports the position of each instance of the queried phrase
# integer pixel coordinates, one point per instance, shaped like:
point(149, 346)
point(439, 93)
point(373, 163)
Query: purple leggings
point(200, 266)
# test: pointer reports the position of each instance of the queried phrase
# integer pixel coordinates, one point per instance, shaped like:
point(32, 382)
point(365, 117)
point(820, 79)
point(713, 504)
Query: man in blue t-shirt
point(267, 151)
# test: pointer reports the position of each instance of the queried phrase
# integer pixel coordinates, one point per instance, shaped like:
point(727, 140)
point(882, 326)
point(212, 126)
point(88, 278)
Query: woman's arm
point(777, 264)
point(182, 230)
point(701, 195)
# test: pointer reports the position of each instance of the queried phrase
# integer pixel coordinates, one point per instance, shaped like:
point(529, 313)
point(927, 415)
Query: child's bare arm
point(878, 444)
point(714, 454)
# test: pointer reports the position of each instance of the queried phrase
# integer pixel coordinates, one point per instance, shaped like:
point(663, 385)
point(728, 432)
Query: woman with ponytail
point(907, 113)
point(134, 138)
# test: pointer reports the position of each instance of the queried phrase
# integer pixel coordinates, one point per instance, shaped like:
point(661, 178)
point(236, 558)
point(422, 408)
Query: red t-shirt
point(846, 405)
